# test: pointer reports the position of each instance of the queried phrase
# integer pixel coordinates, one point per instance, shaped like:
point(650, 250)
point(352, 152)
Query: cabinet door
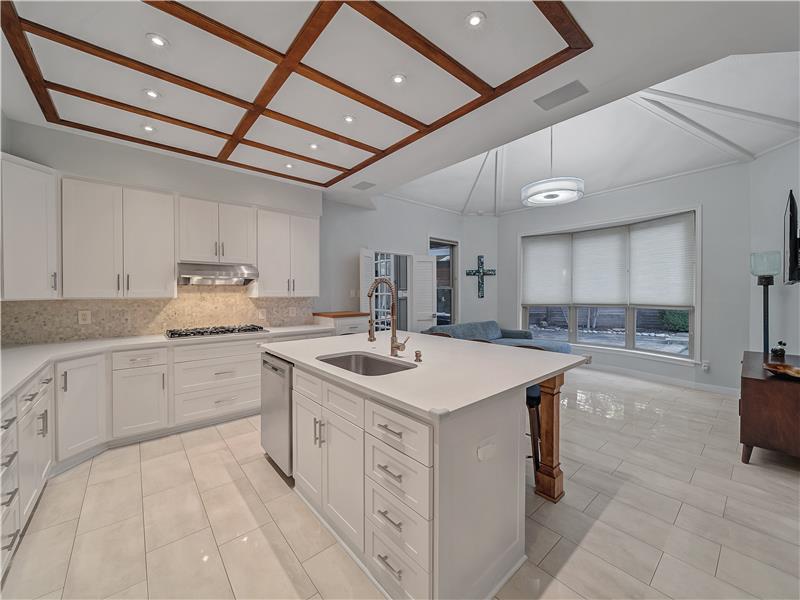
point(149, 244)
point(237, 234)
point(91, 225)
point(307, 458)
point(27, 460)
point(274, 267)
point(139, 401)
point(343, 476)
point(44, 415)
point(30, 233)
point(305, 256)
point(80, 404)
point(198, 230)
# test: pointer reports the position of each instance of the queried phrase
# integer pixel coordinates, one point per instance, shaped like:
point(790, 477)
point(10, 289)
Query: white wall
point(109, 161)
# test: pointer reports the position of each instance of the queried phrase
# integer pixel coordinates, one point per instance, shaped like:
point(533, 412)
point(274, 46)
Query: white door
point(80, 404)
point(30, 233)
point(27, 463)
point(237, 234)
point(305, 256)
point(198, 230)
point(423, 293)
point(366, 274)
point(139, 401)
point(91, 226)
point(274, 266)
point(149, 244)
point(307, 458)
point(343, 476)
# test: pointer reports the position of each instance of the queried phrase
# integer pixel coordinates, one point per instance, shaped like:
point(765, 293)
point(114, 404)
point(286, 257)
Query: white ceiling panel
point(274, 24)
point(275, 162)
point(120, 121)
point(357, 52)
point(82, 71)
point(287, 137)
point(123, 26)
point(305, 100)
point(514, 36)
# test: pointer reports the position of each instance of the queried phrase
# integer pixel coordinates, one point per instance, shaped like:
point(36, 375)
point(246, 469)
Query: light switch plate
point(262, 314)
point(84, 317)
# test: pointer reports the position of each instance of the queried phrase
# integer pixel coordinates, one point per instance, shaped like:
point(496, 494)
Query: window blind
point(600, 266)
point(546, 268)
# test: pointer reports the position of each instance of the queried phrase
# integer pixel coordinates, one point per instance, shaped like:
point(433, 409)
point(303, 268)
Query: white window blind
point(600, 266)
point(546, 264)
point(663, 261)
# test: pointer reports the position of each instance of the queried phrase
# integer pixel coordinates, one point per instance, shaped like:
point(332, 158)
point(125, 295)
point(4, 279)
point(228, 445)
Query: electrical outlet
point(262, 314)
point(292, 311)
point(706, 366)
point(84, 317)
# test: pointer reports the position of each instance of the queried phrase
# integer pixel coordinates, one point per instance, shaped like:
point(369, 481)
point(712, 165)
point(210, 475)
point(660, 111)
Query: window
point(630, 287)
point(445, 253)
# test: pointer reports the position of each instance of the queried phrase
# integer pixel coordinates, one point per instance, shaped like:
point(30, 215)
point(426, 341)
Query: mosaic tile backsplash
point(47, 321)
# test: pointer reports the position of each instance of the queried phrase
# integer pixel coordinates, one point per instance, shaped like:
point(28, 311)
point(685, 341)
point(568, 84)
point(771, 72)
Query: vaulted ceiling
point(732, 110)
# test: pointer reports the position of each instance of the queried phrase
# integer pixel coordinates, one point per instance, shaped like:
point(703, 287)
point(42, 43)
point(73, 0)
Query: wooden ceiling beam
point(564, 23)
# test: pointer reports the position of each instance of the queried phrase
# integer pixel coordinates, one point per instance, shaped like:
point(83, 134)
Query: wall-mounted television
point(791, 242)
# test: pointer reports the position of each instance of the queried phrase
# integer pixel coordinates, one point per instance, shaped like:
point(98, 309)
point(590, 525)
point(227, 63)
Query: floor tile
point(781, 483)
point(80, 471)
point(260, 564)
point(710, 464)
point(107, 560)
point(657, 462)
point(51, 547)
point(255, 421)
point(336, 575)
point(58, 504)
point(265, 480)
point(111, 501)
point(172, 514)
point(301, 528)
point(214, 468)
point(234, 509)
point(539, 540)
point(135, 592)
point(680, 442)
point(188, 568)
point(160, 447)
point(755, 577)
point(200, 441)
point(532, 501)
point(54, 595)
point(745, 492)
point(587, 456)
point(246, 447)
point(112, 464)
point(234, 428)
point(767, 521)
point(165, 471)
point(530, 583)
point(577, 495)
point(681, 581)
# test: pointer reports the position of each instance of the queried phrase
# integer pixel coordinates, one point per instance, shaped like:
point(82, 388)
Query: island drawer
point(344, 403)
point(398, 575)
point(308, 385)
point(9, 486)
point(410, 532)
point(218, 350)
point(9, 533)
point(402, 433)
point(8, 419)
point(348, 325)
point(138, 358)
point(404, 477)
point(215, 373)
point(33, 390)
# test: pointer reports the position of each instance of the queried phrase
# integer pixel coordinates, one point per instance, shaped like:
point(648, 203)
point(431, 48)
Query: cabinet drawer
point(409, 436)
point(399, 576)
point(9, 533)
point(139, 358)
point(220, 350)
point(409, 532)
point(308, 385)
point(9, 486)
point(210, 403)
point(402, 476)
point(8, 422)
point(344, 403)
point(347, 325)
point(9, 449)
point(214, 373)
point(35, 389)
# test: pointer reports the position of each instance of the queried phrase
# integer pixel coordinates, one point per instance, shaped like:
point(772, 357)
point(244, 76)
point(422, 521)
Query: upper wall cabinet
point(30, 231)
point(117, 242)
point(214, 232)
point(288, 255)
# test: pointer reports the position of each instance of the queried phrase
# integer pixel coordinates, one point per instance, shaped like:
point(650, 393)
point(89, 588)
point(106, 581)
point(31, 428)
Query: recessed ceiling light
point(157, 40)
point(476, 19)
point(349, 118)
point(398, 78)
point(148, 128)
point(313, 146)
point(151, 94)
point(289, 165)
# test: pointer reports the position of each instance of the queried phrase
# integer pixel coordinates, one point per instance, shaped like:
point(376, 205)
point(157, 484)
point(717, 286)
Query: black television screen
point(791, 243)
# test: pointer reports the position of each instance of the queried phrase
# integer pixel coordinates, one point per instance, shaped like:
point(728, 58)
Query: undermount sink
point(365, 363)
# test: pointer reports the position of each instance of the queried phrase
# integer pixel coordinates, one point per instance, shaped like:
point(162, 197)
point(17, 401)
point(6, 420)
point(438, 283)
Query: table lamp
point(765, 265)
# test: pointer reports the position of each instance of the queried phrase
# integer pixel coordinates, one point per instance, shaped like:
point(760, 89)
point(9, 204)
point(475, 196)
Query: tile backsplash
point(46, 321)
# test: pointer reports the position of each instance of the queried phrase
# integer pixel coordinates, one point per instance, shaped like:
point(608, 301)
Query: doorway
point(446, 254)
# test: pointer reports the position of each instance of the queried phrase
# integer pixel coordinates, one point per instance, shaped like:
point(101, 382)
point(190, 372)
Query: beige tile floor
point(657, 505)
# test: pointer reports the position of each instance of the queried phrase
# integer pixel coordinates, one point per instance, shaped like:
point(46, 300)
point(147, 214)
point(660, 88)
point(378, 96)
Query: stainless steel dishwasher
point(276, 410)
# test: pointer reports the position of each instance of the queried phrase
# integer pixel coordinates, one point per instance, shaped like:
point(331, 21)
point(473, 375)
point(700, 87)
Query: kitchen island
point(421, 472)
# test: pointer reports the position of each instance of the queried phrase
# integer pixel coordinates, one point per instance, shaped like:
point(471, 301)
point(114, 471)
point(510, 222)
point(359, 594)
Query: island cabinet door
point(343, 477)
point(307, 467)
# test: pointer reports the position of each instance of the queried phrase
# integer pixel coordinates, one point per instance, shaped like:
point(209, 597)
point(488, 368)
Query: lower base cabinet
point(35, 439)
point(139, 401)
point(81, 404)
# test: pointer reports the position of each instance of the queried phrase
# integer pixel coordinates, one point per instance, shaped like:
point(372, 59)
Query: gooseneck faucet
point(395, 345)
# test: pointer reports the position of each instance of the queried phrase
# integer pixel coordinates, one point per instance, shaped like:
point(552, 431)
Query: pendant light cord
point(551, 151)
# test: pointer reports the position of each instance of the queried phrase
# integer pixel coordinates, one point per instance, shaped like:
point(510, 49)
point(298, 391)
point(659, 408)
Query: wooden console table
point(769, 408)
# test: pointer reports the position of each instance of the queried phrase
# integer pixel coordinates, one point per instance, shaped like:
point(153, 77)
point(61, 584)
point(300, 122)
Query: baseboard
point(704, 387)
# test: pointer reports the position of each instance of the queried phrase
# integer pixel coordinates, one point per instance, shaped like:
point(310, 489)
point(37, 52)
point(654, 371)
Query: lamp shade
point(766, 263)
point(557, 190)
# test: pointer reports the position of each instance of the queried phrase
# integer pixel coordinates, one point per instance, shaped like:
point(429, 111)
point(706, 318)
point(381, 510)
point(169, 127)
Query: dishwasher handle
point(268, 365)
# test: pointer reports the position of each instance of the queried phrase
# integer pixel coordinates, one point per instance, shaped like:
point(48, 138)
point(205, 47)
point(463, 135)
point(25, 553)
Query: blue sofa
point(490, 331)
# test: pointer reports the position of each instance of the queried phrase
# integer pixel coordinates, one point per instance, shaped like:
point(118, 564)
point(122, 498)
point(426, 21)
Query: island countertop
point(453, 373)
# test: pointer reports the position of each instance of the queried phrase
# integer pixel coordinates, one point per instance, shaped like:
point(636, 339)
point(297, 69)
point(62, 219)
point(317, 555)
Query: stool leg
point(533, 416)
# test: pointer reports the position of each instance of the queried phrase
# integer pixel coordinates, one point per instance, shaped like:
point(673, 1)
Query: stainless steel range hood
point(204, 274)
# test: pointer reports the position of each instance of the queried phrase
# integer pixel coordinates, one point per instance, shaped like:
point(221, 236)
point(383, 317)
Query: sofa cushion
point(481, 330)
point(548, 345)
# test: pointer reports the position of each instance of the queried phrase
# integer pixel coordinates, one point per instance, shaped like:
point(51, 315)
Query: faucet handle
point(402, 345)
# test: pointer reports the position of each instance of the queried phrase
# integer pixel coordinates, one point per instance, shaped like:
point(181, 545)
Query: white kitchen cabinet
point(139, 401)
point(80, 404)
point(305, 256)
point(307, 458)
point(214, 232)
point(30, 231)
point(237, 234)
point(288, 255)
point(91, 225)
point(35, 452)
point(148, 244)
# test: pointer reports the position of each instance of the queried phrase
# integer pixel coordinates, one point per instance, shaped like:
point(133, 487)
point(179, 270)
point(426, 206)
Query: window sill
point(675, 360)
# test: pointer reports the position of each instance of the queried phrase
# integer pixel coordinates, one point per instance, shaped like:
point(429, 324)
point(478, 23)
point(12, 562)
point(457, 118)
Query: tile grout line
point(75, 535)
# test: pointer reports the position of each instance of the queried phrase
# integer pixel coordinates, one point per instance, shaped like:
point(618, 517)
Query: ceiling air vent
point(561, 95)
point(364, 185)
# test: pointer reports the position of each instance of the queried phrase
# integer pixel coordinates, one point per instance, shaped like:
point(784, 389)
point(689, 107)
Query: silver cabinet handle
point(8, 423)
point(163, 381)
point(216, 248)
point(292, 283)
point(55, 280)
point(128, 282)
point(222, 245)
point(224, 373)
point(7, 462)
point(398, 573)
point(316, 435)
point(118, 278)
point(11, 495)
point(396, 524)
point(396, 476)
point(13, 541)
point(388, 429)
point(64, 386)
point(322, 440)
point(46, 422)
point(30, 397)
point(289, 285)
point(42, 417)
point(231, 399)
point(46, 381)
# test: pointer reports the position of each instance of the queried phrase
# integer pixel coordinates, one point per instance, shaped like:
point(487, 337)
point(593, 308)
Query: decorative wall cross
point(480, 272)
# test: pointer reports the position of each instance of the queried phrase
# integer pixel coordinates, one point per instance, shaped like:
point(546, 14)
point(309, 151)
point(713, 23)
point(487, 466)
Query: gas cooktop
point(218, 330)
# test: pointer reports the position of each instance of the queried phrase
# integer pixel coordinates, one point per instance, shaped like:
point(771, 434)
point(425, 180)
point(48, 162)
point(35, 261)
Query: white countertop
point(453, 373)
point(20, 362)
